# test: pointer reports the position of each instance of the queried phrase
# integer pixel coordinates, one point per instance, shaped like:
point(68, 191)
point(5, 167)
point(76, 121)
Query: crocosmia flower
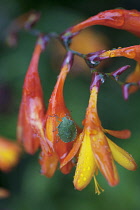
point(56, 111)
point(9, 154)
point(128, 20)
point(32, 109)
point(95, 150)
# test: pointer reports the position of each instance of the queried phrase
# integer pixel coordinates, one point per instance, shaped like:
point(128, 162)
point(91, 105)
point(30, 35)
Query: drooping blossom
point(95, 150)
point(123, 19)
point(55, 112)
point(32, 109)
point(132, 52)
point(9, 154)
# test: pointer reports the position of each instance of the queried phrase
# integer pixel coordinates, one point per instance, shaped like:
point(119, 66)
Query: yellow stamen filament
point(98, 188)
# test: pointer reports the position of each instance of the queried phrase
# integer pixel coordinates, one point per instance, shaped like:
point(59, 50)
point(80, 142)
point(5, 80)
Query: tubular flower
point(32, 108)
point(56, 111)
point(132, 52)
point(9, 154)
point(134, 77)
point(95, 150)
point(128, 20)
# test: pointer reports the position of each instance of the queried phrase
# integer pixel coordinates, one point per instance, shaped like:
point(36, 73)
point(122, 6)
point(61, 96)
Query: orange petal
point(73, 151)
point(86, 165)
point(122, 157)
point(48, 164)
point(104, 158)
point(132, 52)
point(123, 134)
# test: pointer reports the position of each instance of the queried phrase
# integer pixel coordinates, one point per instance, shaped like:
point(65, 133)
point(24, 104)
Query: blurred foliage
point(30, 190)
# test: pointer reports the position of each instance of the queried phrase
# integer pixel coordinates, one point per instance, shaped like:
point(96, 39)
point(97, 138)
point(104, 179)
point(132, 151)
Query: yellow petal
point(122, 157)
point(86, 165)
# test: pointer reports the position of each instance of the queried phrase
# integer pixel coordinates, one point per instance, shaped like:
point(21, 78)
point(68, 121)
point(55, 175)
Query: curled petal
point(122, 157)
point(123, 134)
point(86, 165)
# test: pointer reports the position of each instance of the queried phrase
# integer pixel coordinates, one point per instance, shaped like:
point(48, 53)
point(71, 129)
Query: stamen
point(98, 189)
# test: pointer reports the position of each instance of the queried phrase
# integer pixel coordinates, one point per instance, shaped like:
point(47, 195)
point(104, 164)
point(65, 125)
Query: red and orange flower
point(32, 109)
point(95, 150)
point(56, 111)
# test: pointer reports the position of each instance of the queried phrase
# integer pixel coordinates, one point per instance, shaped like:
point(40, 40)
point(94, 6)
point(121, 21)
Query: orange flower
point(128, 20)
point(132, 52)
point(96, 151)
point(32, 108)
point(56, 111)
point(9, 154)
point(134, 77)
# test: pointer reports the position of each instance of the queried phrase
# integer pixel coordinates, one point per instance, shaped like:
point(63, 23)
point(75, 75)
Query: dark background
point(30, 190)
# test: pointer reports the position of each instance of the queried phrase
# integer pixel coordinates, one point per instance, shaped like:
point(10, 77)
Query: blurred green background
point(30, 190)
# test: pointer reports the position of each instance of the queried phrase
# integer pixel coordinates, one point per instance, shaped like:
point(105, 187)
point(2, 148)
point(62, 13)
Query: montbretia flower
point(9, 154)
point(95, 150)
point(123, 19)
point(132, 52)
point(32, 109)
point(56, 111)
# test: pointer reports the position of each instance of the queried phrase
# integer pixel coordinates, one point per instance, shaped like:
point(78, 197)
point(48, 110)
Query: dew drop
point(112, 54)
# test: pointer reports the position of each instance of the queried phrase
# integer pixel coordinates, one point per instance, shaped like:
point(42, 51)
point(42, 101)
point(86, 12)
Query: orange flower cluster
point(90, 150)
